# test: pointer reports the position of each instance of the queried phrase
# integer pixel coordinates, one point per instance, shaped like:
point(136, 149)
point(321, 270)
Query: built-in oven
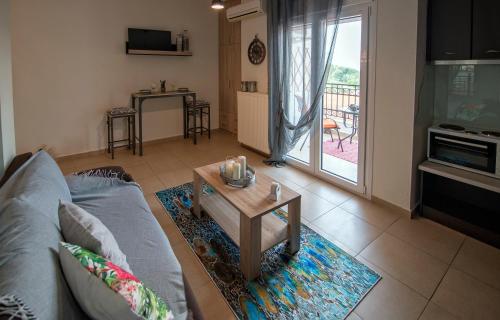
point(470, 152)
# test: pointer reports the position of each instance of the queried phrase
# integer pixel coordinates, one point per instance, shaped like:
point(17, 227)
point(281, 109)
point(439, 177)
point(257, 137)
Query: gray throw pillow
point(81, 228)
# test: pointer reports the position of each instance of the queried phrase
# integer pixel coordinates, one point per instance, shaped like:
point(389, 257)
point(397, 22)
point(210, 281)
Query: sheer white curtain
point(301, 41)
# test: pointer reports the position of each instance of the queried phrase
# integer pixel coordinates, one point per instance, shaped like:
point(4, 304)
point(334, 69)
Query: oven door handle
point(462, 143)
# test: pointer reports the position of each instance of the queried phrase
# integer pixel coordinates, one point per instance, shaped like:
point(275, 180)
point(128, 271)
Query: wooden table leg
point(250, 246)
point(294, 226)
point(197, 185)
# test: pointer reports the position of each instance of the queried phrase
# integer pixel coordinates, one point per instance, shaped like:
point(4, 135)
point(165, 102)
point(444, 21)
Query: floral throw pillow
point(99, 302)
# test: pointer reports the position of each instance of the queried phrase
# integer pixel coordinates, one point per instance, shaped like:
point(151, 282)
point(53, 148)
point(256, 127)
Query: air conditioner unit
point(245, 10)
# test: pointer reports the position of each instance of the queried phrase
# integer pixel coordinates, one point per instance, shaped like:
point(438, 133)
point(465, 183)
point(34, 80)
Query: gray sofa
point(30, 233)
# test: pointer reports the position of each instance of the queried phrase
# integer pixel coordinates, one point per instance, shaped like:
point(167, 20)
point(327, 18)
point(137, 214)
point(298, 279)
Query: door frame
point(367, 114)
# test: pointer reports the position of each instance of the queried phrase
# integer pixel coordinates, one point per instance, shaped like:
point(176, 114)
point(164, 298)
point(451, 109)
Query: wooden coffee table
point(244, 215)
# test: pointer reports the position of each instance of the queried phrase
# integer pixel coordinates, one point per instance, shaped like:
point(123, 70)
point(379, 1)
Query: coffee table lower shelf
point(274, 230)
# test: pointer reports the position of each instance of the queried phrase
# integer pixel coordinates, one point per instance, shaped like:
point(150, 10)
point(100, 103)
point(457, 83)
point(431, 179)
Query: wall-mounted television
point(144, 39)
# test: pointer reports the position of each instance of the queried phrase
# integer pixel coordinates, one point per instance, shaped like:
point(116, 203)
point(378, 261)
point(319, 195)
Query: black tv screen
point(144, 39)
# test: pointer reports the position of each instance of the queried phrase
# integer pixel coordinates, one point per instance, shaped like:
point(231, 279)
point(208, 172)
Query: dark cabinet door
point(486, 29)
point(450, 29)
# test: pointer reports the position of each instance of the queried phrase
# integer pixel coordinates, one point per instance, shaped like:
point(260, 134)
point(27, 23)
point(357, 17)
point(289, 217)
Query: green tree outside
point(343, 75)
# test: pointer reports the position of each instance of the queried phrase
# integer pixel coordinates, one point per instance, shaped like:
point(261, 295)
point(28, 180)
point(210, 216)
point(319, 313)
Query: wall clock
point(256, 51)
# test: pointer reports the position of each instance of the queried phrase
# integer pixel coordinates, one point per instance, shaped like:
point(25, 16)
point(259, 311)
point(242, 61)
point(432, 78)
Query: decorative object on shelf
point(256, 51)
point(163, 88)
point(252, 86)
point(153, 87)
point(183, 89)
point(185, 41)
point(145, 91)
point(244, 87)
point(275, 191)
point(236, 173)
point(217, 4)
point(248, 86)
point(178, 41)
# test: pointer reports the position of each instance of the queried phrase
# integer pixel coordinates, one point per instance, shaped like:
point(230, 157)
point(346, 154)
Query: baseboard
point(391, 206)
point(145, 143)
point(262, 153)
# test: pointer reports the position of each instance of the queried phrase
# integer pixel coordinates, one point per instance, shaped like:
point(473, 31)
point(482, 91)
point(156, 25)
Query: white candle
point(229, 168)
point(236, 171)
point(243, 163)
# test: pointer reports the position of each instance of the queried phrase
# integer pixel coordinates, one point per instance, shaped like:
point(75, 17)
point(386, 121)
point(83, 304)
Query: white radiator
point(253, 120)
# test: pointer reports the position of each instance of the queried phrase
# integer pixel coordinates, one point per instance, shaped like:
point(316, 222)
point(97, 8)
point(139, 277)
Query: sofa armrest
point(15, 164)
point(107, 172)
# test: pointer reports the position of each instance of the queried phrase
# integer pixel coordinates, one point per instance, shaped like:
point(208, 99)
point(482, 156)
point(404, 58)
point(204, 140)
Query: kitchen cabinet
point(229, 69)
point(464, 30)
point(465, 201)
point(485, 29)
point(450, 29)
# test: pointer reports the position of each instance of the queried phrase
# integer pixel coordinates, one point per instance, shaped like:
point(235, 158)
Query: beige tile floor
point(429, 271)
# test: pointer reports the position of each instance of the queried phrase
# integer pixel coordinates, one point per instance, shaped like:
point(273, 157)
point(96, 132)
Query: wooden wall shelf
point(159, 53)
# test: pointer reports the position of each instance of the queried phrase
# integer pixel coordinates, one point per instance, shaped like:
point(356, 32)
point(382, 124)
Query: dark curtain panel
point(301, 40)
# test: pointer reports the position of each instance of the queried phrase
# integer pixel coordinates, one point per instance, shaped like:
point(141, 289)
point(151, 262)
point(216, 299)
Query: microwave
point(475, 151)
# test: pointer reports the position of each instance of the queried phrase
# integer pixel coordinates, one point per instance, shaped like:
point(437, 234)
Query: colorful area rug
point(321, 281)
point(350, 152)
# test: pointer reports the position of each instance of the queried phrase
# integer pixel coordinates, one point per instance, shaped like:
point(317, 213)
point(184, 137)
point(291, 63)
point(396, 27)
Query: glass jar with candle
point(242, 160)
point(229, 167)
point(235, 172)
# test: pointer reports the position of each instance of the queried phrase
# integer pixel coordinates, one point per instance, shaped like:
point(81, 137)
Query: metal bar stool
point(120, 113)
point(202, 108)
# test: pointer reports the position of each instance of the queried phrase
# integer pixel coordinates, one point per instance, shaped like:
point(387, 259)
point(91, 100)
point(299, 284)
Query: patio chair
point(328, 125)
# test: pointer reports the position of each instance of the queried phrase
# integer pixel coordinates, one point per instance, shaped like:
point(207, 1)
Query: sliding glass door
point(335, 146)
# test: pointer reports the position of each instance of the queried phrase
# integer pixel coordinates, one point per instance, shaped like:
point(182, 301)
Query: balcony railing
point(339, 96)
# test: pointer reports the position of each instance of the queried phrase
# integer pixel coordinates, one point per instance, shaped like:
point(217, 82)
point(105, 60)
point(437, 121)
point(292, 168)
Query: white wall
point(395, 100)
point(70, 67)
point(249, 71)
point(7, 132)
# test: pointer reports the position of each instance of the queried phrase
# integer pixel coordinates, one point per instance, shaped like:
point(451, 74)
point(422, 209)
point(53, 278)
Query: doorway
point(335, 147)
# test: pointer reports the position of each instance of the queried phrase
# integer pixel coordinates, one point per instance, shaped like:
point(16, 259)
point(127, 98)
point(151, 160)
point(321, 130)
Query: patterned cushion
point(105, 291)
point(107, 172)
point(117, 111)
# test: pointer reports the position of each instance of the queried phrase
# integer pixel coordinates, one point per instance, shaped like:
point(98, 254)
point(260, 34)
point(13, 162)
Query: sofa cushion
point(29, 262)
point(39, 182)
point(81, 228)
point(122, 208)
point(105, 291)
